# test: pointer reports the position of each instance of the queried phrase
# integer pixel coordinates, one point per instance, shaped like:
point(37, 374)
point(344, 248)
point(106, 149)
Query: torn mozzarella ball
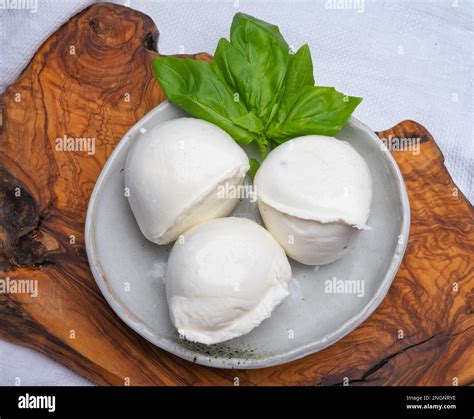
point(223, 278)
point(314, 195)
point(175, 174)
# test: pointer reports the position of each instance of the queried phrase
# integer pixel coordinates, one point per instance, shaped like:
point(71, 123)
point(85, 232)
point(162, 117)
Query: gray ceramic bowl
point(129, 269)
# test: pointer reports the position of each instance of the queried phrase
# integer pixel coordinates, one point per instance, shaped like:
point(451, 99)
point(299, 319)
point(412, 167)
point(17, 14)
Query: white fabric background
point(407, 59)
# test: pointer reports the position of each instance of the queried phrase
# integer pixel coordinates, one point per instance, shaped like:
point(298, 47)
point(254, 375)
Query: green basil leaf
point(250, 122)
point(306, 109)
point(243, 22)
point(253, 63)
point(254, 166)
point(194, 87)
point(299, 74)
point(300, 70)
point(255, 89)
point(311, 110)
point(220, 63)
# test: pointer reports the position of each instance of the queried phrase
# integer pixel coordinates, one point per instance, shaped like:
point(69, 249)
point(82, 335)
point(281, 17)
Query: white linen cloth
point(408, 60)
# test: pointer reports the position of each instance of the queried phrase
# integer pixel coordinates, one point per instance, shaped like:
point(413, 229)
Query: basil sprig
point(255, 89)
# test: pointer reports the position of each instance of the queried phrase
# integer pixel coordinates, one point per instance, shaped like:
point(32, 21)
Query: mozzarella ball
point(175, 174)
point(223, 278)
point(314, 195)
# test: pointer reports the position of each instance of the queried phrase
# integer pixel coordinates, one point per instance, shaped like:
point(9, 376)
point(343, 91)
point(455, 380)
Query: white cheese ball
point(175, 175)
point(314, 195)
point(223, 278)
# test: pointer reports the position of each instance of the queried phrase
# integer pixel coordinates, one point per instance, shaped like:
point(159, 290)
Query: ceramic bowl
point(325, 303)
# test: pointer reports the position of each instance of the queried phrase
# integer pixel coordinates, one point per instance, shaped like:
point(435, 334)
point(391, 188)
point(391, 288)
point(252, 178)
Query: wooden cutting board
point(93, 79)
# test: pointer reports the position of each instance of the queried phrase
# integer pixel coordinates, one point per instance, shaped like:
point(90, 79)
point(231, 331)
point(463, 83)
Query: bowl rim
point(171, 346)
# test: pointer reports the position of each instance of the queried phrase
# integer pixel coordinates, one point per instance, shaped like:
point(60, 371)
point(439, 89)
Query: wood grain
point(93, 78)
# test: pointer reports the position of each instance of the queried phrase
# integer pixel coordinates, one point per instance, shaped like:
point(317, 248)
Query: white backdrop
point(408, 59)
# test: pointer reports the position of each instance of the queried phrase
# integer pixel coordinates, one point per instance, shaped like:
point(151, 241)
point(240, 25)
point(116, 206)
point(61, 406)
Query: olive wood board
point(93, 79)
